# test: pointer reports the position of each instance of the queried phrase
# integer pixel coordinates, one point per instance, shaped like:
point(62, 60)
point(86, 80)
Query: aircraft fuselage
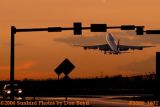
point(112, 43)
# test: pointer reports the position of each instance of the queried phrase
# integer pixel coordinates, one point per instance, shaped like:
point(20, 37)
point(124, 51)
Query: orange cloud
point(23, 66)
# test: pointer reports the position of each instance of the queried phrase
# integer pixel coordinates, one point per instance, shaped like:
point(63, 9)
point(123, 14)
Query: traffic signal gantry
point(77, 30)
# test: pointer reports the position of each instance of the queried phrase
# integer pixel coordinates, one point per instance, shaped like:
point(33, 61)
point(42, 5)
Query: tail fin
point(118, 43)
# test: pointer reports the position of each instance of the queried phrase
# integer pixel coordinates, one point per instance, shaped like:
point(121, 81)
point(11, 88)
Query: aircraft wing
point(103, 47)
point(125, 47)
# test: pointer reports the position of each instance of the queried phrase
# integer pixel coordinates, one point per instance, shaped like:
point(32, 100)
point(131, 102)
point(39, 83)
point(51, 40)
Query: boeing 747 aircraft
point(112, 47)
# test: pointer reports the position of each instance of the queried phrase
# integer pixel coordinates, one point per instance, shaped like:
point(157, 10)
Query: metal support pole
point(13, 31)
point(157, 74)
point(58, 76)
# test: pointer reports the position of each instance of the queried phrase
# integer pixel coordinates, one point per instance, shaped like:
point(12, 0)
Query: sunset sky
point(37, 54)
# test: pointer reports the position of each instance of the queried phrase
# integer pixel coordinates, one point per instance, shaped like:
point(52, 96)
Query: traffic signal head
point(152, 31)
point(77, 28)
point(98, 27)
point(140, 30)
point(127, 27)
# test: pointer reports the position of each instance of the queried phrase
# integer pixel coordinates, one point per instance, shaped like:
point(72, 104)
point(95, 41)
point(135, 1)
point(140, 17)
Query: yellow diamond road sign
point(65, 67)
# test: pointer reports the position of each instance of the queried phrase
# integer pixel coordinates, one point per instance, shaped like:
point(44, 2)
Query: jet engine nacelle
point(95, 48)
point(140, 48)
point(85, 48)
point(125, 49)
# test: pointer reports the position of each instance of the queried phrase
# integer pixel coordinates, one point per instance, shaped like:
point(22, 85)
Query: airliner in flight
point(113, 47)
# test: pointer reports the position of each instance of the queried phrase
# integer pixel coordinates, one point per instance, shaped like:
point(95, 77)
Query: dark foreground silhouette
point(142, 84)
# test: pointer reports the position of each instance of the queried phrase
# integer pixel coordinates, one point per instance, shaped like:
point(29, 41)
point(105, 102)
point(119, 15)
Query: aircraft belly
point(112, 45)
